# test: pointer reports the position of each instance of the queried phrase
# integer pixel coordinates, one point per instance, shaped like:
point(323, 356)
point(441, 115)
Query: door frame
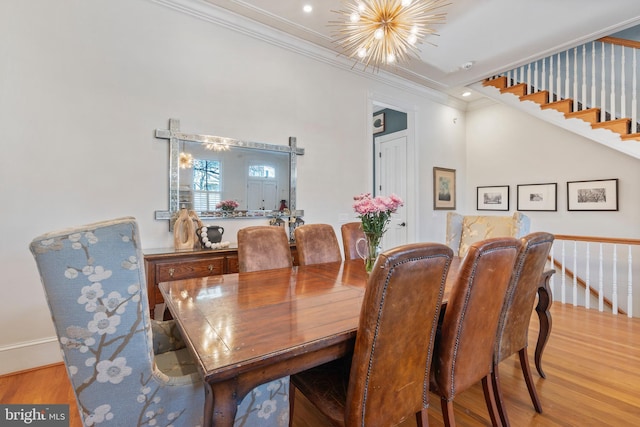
point(411, 198)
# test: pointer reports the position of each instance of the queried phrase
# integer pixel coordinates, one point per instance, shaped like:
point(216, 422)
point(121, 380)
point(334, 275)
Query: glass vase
point(372, 250)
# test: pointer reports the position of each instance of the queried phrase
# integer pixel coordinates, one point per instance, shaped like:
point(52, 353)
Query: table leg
point(220, 405)
point(544, 303)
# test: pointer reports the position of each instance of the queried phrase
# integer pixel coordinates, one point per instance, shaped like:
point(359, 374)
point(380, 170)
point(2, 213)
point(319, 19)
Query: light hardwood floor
point(592, 362)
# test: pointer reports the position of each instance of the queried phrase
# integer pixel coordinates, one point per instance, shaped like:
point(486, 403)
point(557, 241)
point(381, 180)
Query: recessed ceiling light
point(307, 8)
point(466, 93)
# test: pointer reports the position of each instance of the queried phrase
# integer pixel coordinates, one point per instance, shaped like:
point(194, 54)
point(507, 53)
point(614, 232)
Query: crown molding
point(206, 11)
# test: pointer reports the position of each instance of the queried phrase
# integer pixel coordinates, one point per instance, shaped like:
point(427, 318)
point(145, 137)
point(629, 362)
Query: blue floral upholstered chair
point(127, 369)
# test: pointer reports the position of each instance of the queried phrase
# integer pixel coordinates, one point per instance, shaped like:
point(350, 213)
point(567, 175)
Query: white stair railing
point(576, 263)
point(600, 74)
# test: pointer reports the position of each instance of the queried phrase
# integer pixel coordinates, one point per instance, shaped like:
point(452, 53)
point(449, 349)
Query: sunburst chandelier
point(216, 143)
point(379, 32)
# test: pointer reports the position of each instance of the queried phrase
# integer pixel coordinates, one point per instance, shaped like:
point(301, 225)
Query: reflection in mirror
point(254, 179)
point(257, 179)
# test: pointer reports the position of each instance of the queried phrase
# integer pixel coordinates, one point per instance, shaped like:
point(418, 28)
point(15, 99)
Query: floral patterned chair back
point(126, 369)
point(465, 230)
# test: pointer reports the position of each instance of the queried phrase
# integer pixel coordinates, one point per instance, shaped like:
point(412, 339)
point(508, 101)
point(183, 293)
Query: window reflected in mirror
point(206, 185)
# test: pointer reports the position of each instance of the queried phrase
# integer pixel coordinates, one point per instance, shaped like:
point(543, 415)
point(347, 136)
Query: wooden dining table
point(246, 329)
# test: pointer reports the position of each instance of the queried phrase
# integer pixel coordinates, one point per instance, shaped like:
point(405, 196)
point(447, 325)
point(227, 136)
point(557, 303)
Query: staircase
point(590, 115)
point(588, 90)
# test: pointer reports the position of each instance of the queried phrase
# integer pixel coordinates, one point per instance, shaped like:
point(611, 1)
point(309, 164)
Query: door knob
point(403, 224)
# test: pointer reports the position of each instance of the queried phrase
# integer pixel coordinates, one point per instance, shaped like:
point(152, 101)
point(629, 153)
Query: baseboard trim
point(28, 355)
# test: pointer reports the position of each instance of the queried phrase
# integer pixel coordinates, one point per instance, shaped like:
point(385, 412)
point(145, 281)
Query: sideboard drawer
point(189, 269)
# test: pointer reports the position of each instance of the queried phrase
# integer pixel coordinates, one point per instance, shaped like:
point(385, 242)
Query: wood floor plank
point(592, 363)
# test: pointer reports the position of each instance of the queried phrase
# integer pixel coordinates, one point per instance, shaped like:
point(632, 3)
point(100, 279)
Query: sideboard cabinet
point(164, 265)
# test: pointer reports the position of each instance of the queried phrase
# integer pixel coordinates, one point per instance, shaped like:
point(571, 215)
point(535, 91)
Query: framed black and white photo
point(597, 195)
point(494, 198)
point(378, 123)
point(444, 189)
point(538, 197)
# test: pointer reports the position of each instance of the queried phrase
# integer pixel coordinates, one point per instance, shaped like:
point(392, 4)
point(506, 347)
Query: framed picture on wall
point(378, 123)
point(598, 195)
point(538, 197)
point(494, 198)
point(444, 189)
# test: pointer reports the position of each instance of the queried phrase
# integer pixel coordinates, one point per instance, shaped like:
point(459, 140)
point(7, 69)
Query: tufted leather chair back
point(351, 233)
point(317, 244)
point(521, 294)
point(464, 348)
point(389, 378)
point(263, 247)
point(513, 325)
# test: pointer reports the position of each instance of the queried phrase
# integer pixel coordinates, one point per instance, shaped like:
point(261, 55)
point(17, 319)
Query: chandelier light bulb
point(362, 52)
point(361, 6)
point(412, 39)
point(391, 58)
point(355, 17)
point(406, 3)
point(379, 34)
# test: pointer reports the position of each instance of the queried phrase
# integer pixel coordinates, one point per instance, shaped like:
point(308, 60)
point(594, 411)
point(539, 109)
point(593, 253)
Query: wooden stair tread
point(631, 137)
point(620, 126)
point(499, 82)
point(564, 105)
point(519, 90)
point(541, 97)
point(590, 115)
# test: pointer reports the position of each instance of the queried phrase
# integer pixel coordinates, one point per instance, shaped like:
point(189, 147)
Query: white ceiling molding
point(207, 12)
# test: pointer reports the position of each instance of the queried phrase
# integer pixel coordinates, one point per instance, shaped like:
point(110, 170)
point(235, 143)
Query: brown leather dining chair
point(316, 244)
point(463, 353)
point(263, 247)
point(387, 378)
point(351, 233)
point(513, 324)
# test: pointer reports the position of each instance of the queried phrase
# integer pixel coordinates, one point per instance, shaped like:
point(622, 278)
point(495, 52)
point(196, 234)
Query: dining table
point(246, 329)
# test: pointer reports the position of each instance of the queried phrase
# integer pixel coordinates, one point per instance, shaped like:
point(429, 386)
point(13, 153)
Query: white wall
point(83, 86)
point(508, 147)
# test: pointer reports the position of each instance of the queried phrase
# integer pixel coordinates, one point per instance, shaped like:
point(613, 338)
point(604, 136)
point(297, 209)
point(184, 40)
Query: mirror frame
point(175, 136)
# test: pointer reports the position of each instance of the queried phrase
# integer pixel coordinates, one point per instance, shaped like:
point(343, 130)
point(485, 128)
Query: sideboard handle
point(210, 267)
point(171, 271)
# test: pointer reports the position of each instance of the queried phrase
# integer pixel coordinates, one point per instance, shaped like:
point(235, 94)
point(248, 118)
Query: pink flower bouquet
point(227, 205)
point(375, 214)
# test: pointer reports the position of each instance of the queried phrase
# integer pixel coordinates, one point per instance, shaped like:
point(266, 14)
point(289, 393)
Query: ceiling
point(492, 35)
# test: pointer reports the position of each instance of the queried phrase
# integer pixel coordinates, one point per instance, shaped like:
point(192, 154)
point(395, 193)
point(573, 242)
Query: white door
point(254, 194)
point(391, 178)
point(262, 194)
point(270, 194)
